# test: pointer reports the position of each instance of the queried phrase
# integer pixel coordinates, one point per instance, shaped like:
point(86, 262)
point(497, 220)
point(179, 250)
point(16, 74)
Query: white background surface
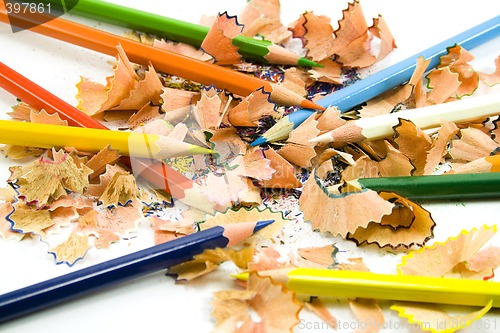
point(154, 303)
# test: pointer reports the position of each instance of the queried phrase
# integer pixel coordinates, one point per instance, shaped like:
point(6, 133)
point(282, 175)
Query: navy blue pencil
point(70, 286)
point(384, 80)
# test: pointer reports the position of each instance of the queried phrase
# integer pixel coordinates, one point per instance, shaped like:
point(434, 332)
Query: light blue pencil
point(384, 80)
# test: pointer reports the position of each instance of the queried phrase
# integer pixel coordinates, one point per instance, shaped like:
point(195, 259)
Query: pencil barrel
point(82, 282)
point(439, 187)
point(349, 284)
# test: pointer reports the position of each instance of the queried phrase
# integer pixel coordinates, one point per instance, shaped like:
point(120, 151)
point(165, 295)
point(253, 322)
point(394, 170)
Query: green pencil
point(176, 30)
point(438, 187)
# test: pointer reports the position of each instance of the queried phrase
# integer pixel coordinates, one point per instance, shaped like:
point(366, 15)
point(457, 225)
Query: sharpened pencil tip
point(262, 224)
point(304, 62)
point(240, 276)
point(259, 141)
point(325, 138)
point(307, 104)
point(201, 150)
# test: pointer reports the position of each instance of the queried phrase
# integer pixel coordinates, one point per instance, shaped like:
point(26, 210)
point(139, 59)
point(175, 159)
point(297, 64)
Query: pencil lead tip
point(325, 138)
point(307, 104)
point(243, 276)
point(262, 224)
point(304, 62)
point(259, 141)
point(201, 150)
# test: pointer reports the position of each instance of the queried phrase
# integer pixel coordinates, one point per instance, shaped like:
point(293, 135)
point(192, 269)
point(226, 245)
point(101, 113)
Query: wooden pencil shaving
point(277, 308)
point(457, 257)
point(218, 42)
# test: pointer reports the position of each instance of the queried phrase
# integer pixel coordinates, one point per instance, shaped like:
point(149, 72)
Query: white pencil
point(379, 127)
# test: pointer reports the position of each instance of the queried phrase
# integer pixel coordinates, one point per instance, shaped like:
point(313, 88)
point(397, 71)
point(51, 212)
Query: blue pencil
point(70, 286)
point(384, 80)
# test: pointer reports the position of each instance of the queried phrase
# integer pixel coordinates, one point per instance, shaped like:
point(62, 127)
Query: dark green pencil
point(176, 30)
point(439, 187)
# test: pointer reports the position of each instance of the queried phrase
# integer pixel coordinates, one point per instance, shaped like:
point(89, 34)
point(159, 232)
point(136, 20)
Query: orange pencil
point(165, 61)
point(157, 173)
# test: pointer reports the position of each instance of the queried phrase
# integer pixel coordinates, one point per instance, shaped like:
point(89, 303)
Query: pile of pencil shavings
point(95, 201)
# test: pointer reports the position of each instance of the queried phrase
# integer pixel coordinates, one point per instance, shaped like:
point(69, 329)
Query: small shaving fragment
point(121, 190)
point(432, 318)
point(45, 180)
point(71, 250)
point(441, 258)
point(284, 177)
point(298, 150)
point(277, 308)
point(250, 110)
point(368, 311)
point(319, 309)
point(493, 78)
point(209, 261)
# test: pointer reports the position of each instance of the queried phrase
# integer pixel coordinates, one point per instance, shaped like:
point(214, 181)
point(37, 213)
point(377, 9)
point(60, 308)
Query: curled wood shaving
point(415, 229)
point(42, 117)
point(414, 143)
point(209, 260)
point(72, 249)
point(99, 161)
point(472, 145)
point(298, 150)
point(218, 41)
point(6, 231)
point(458, 60)
point(341, 213)
point(492, 78)
point(445, 256)
point(432, 318)
point(144, 91)
point(317, 33)
point(393, 163)
point(284, 177)
point(45, 180)
point(210, 110)
point(250, 110)
point(260, 17)
point(120, 190)
point(277, 308)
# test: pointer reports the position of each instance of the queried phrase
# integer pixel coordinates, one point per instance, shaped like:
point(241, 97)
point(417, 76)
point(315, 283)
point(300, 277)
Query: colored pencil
point(384, 80)
point(378, 127)
point(350, 284)
point(156, 172)
point(164, 61)
point(135, 144)
point(252, 49)
point(438, 187)
point(109, 273)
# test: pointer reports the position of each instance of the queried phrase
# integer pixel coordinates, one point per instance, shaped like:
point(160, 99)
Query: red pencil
point(158, 173)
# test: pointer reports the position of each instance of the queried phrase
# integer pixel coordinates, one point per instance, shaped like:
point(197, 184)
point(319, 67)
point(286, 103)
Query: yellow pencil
point(378, 127)
point(93, 140)
point(349, 284)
